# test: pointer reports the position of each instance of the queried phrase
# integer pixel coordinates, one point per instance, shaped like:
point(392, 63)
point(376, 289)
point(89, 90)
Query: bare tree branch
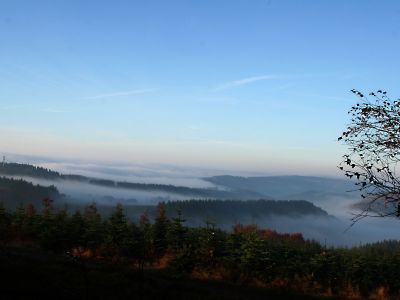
point(373, 140)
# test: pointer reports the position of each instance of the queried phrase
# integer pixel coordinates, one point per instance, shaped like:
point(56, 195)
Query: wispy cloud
point(35, 109)
point(245, 81)
point(301, 76)
point(211, 99)
point(210, 142)
point(13, 107)
point(53, 110)
point(119, 94)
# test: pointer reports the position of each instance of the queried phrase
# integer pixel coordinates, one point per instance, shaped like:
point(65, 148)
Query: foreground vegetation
point(33, 273)
point(246, 255)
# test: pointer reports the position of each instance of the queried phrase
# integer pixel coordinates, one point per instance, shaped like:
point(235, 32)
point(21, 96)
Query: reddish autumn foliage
point(266, 233)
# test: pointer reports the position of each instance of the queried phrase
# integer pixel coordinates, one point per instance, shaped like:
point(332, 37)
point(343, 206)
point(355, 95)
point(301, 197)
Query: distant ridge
point(16, 169)
point(232, 209)
point(286, 187)
point(224, 207)
point(290, 187)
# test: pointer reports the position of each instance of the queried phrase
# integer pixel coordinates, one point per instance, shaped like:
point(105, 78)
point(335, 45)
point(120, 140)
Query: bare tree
point(373, 140)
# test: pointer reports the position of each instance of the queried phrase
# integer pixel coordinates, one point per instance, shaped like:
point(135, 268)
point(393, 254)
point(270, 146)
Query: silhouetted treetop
point(373, 140)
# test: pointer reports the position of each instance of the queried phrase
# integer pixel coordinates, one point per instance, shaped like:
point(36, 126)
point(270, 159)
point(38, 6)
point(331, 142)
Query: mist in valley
point(84, 193)
point(338, 202)
point(132, 172)
point(335, 231)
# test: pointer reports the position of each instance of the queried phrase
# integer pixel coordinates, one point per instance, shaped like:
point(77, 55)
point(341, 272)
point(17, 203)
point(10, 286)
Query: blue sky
point(257, 86)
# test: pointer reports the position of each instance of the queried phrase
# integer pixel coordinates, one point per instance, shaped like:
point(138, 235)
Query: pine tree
point(5, 225)
point(177, 233)
point(145, 236)
point(76, 230)
point(94, 234)
point(160, 230)
point(18, 220)
point(32, 221)
point(117, 232)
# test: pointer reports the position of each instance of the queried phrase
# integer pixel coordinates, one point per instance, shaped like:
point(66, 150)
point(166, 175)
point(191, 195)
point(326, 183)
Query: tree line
point(236, 209)
point(16, 191)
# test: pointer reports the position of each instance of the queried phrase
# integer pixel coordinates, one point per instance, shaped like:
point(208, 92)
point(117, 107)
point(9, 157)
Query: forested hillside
point(229, 212)
point(15, 169)
point(244, 255)
point(225, 213)
point(27, 170)
point(227, 187)
point(254, 207)
point(16, 192)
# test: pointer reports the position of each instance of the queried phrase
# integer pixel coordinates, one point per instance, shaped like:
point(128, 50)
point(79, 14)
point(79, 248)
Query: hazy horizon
point(144, 172)
point(335, 230)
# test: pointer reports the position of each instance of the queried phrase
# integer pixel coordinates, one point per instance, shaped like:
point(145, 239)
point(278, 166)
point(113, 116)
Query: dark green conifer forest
point(245, 255)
